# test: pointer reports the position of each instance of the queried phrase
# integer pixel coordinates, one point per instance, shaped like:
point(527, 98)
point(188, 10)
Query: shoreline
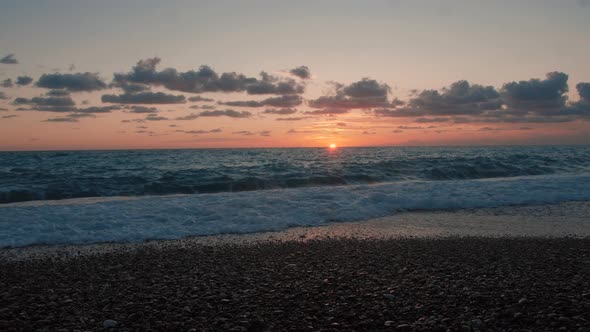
point(569, 219)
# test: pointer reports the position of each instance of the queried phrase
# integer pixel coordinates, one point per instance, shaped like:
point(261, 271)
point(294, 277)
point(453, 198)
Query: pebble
point(109, 323)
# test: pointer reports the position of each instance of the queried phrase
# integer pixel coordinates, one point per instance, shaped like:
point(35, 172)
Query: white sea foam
point(169, 217)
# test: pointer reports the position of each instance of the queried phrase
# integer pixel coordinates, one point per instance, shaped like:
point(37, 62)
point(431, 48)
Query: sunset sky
point(181, 74)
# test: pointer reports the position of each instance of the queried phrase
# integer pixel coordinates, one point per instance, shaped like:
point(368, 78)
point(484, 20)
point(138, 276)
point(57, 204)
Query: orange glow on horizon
point(333, 146)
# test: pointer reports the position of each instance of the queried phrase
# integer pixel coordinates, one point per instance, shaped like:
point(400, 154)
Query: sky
point(206, 74)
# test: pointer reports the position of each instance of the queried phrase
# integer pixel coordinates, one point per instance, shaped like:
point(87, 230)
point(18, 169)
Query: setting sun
point(332, 146)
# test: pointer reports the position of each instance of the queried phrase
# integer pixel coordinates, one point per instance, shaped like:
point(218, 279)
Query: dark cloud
point(144, 98)
point(410, 127)
point(9, 116)
point(71, 117)
point(432, 120)
point(3, 109)
point(9, 60)
point(7, 83)
point(71, 109)
point(363, 94)
point(280, 111)
point(189, 117)
point(73, 82)
point(228, 113)
point(154, 117)
point(57, 93)
point(328, 111)
point(133, 88)
point(198, 132)
point(538, 96)
point(3, 95)
point(281, 102)
point(584, 91)
point(265, 133)
point(24, 80)
point(302, 72)
point(199, 98)
point(461, 98)
point(205, 79)
point(296, 118)
point(45, 101)
point(142, 110)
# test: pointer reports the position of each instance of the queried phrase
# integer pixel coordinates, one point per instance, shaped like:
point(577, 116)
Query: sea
point(80, 197)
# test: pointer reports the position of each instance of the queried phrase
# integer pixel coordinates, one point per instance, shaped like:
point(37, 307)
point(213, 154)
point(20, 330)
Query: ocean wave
point(170, 217)
point(51, 176)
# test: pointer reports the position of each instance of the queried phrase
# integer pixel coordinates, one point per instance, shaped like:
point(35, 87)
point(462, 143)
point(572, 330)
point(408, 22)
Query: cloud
point(296, 118)
point(410, 127)
point(133, 88)
point(153, 117)
point(9, 60)
point(71, 117)
point(432, 120)
point(57, 93)
point(144, 98)
point(228, 113)
point(73, 82)
point(265, 133)
point(45, 101)
point(282, 101)
point(70, 109)
point(461, 98)
point(329, 111)
point(198, 132)
point(142, 110)
point(24, 80)
point(302, 72)
point(9, 116)
point(7, 83)
point(280, 111)
point(535, 95)
point(363, 94)
point(3, 95)
point(199, 98)
point(205, 79)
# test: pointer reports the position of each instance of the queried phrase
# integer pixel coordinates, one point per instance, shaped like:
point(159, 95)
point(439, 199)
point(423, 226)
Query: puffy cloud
point(9, 59)
point(363, 94)
point(280, 111)
point(584, 91)
point(461, 98)
point(144, 98)
point(281, 102)
point(72, 82)
point(205, 79)
point(302, 72)
point(7, 83)
point(199, 98)
point(24, 80)
point(535, 95)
